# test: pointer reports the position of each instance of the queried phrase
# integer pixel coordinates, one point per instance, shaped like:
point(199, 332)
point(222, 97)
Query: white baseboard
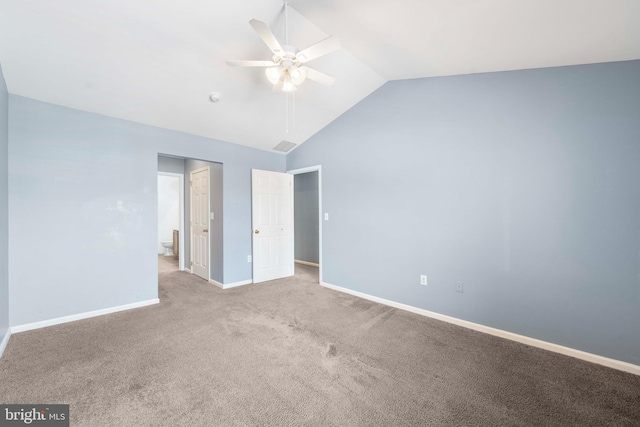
point(556, 348)
point(5, 341)
point(218, 284)
point(236, 284)
point(230, 285)
point(188, 270)
point(312, 264)
point(80, 316)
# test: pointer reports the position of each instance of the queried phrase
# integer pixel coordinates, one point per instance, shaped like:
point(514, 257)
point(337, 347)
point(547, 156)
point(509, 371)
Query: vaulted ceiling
point(157, 61)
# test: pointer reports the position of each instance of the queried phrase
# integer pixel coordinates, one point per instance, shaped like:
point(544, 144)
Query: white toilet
point(168, 248)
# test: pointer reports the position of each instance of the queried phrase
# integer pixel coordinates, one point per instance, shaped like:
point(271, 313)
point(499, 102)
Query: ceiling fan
point(286, 69)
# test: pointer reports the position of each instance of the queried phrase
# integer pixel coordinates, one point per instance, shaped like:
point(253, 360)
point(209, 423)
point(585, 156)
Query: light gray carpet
point(289, 353)
point(167, 264)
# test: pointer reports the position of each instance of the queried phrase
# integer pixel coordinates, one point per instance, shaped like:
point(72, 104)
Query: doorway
point(170, 245)
point(212, 220)
point(308, 218)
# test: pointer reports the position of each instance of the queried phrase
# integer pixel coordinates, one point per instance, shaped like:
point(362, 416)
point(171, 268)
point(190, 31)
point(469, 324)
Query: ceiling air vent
point(284, 146)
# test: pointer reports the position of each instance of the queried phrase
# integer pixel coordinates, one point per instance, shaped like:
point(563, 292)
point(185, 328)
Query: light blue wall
point(4, 208)
point(524, 185)
point(170, 164)
point(305, 194)
point(216, 229)
point(82, 208)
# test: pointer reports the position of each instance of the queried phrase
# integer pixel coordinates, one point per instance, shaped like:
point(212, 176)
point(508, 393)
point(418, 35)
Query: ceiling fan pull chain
point(293, 115)
point(286, 113)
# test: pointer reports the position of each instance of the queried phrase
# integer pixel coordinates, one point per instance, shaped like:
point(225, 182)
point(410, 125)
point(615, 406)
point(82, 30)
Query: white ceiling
point(156, 61)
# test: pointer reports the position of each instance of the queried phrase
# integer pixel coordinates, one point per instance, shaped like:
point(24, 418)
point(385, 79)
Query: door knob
point(205, 231)
point(257, 231)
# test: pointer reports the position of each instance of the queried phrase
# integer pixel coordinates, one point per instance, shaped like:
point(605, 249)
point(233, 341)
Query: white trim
point(230, 285)
point(187, 270)
point(181, 226)
point(5, 341)
point(312, 264)
point(317, 168)
point(218, 284)
point(236, 284)
point(556, 348)
point(304, 170)
point(80, 316)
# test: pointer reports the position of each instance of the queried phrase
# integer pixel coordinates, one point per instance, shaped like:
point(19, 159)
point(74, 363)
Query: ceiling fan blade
point(248, 63)
point(317, 76)
point(328, 45)
point(267, 36)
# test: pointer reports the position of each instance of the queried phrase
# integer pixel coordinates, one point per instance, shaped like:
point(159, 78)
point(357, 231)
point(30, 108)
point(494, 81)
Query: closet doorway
point(307, 199)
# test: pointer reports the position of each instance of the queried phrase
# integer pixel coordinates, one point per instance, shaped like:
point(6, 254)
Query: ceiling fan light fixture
point(274, 74)
point(298, 75)
point(286, 70)
point(287, 83)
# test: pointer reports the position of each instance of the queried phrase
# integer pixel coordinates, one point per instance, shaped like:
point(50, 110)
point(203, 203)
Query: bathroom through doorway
point(170, 246)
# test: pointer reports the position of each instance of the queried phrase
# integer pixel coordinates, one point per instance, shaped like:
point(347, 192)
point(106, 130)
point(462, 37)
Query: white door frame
point(317, 168)
point(181, 226)
point(191, 172)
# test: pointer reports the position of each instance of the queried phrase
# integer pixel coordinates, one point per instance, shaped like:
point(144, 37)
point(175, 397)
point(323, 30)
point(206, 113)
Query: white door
point(200, 222)
point(272, 218)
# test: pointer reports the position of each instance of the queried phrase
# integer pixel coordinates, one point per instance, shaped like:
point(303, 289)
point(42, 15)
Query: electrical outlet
point(249, 258)
point(423, 279)
point(326, 216)
point(459, 286)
